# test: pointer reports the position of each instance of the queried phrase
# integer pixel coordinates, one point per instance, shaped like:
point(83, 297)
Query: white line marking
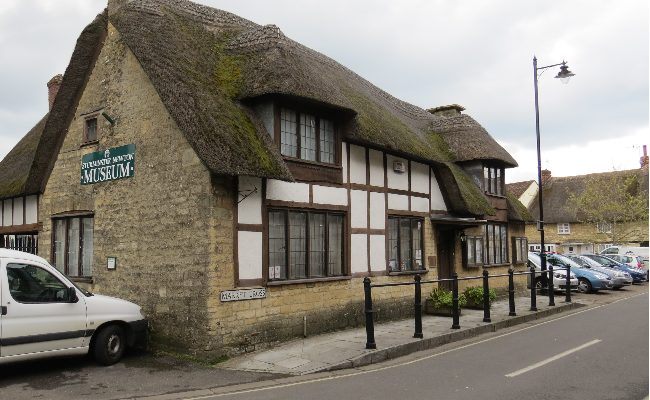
point(548, 360)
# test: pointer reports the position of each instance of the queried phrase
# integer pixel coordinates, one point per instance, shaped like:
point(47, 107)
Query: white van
point(43, 314)
point(629, 251)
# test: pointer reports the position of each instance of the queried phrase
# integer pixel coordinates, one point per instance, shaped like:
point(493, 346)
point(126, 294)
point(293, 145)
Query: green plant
point(477, 293)
point(443, 297)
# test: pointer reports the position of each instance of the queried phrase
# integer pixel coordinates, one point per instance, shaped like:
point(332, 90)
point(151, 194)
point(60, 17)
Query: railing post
point(370, 327)
point(568, 284)
point(486, 296)
point(454, 292)
point(511, 292)
point(418, 308)
point(551, 290)
point(533, 290)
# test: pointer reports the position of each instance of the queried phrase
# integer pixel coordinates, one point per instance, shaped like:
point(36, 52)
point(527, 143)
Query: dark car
point(637, 274)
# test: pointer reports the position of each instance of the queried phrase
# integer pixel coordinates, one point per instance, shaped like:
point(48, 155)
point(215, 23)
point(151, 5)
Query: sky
point(476, 53)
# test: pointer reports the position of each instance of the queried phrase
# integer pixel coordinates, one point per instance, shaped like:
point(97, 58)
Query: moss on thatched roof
point(516, 210)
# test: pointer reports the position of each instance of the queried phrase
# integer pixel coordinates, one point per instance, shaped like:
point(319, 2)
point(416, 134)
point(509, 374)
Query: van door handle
point(4, 310)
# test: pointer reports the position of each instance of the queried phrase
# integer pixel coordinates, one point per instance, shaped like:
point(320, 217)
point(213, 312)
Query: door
point(446, 253)
point(37, 315)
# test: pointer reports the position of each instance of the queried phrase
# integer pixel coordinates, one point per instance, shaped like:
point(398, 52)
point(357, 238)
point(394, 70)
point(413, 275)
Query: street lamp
point(564, 75)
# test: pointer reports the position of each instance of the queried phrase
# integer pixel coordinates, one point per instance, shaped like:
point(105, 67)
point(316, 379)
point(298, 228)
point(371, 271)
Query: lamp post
point(564, 75)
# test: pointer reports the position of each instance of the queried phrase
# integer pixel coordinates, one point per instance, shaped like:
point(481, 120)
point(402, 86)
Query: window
point(519, 246)
point(31, 284)
point(496, 244)
point(307, 137)
point(27, 243)
point(405, 244)
point(493, 180)
point(91, 128)
point(563, 229)
point(305, 244)
point(473, 251)
point(604, 227)
point(73, 245)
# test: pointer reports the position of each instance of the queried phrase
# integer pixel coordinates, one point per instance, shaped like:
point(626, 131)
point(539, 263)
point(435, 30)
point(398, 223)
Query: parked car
point(636, 274)
point(589, 281)
point(629, 251)
point(559, 277)
point(620, 278)
point(633, 261)
point(44, 314)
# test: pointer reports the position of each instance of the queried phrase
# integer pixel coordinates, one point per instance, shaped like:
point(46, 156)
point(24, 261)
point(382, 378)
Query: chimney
point(644, 159)
point(546, 174)
point(53, 88)
point(451, 110)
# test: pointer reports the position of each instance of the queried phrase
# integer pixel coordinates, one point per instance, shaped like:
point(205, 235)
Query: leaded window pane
point(393, 244)
point(288, 133)
point(336, 245)
point(87, 246)
point(91, 129)
point(504, 244)
point(277, 245)
point(307, 137)
point(327, 151)
point(317, 244)
point(470, 251)
point(416, 235)
point(73, 247)
point(405, 245)
point(490, 230)
point(59, 244)
point(298, 244)
point(479, 250)
point(499, 187)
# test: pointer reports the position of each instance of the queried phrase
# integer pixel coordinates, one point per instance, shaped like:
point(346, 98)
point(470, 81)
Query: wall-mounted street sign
point(243, 294)
point(108, 165)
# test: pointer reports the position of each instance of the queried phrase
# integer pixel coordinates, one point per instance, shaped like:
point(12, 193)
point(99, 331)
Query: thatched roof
point(518, 188)
point(18, 164)
point(207, 65)
point(556, 193)
point(516, 210)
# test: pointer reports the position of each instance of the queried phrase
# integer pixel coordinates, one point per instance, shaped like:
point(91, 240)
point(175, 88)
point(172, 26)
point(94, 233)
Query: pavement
point(347, 348)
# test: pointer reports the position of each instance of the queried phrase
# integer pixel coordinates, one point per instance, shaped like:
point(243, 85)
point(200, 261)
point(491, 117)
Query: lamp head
point(564, 75)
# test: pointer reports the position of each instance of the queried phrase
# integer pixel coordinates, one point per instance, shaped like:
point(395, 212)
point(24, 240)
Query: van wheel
point(110, 344)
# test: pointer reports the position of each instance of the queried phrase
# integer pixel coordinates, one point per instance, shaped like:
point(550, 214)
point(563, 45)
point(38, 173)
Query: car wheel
point(110, 344)
point(584, 286)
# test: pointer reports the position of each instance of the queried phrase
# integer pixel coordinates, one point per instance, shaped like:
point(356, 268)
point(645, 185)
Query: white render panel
point(437, 201)
point(377, 253)
point(287, 191)
point(344, 161)
point(398, 202)
point(7, 212)
point(31, 209)
point(359, 253)
point(376, 159)
point(419, 177)
point(18, 211)
point(397, 180)
point(250, 208)
point(357, 164)
point(377, 210)
point(330, 195)
point(359, 209)
point(250, 255)
point(420, 204)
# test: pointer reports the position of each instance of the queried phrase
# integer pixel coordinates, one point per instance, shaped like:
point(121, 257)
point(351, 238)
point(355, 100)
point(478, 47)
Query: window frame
point(564, 228)
point(86, 120)
point(307, 249)
point(604, 227)
point(66, 268)
point(472, 257)
point(494, 185)
point(519, 249)
point(503, 245)
point(397, 267)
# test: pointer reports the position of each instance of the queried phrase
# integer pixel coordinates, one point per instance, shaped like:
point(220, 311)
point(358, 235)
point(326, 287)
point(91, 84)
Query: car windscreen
point(568, 261)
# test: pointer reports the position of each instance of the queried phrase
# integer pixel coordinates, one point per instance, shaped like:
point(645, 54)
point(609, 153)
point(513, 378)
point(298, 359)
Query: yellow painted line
point(404, 363)
point(548, 360)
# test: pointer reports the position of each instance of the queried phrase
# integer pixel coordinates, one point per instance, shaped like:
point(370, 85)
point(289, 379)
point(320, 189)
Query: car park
point(629, 251)
point(636, 274)
point(620, 279)
point(589, 281)
point(44, 314)
point(559, 276)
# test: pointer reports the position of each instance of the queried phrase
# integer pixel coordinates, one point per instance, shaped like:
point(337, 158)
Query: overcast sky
point(476, 53)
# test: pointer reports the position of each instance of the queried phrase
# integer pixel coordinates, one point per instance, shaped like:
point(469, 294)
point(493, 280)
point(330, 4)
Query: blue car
point(589, 281)
point(637, 274)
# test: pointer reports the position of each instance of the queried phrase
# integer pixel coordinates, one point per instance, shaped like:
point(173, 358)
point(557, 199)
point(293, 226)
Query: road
point(596, 353)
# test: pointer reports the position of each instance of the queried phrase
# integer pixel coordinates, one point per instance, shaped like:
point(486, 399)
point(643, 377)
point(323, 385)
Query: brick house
point(564, 230)
point(232, 181)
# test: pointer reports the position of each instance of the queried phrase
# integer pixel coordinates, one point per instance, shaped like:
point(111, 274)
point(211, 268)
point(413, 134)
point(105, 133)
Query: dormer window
point(307, 137)
point(493, 179)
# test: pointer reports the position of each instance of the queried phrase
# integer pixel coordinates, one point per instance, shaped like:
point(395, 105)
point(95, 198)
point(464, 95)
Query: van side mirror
point(72, 295)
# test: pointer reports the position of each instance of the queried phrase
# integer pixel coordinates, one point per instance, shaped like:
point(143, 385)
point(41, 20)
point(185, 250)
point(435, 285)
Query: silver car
point(619, 278)
point(559, 276)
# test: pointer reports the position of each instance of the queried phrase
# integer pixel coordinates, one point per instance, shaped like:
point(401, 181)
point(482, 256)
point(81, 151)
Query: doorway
point(446, 254)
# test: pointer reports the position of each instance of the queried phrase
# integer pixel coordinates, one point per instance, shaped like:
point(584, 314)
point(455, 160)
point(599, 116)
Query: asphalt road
point(615, 367)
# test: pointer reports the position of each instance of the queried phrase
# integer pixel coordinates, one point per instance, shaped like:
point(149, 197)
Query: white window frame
point(564, 228)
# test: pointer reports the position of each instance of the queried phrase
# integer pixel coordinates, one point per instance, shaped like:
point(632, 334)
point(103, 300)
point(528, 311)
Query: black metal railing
point(367, 286)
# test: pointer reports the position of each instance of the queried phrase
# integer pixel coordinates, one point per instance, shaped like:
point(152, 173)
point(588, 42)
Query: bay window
point(494, 180)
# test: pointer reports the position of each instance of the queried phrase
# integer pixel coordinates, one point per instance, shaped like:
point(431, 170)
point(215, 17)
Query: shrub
point(443, 297)
point(477, 292)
